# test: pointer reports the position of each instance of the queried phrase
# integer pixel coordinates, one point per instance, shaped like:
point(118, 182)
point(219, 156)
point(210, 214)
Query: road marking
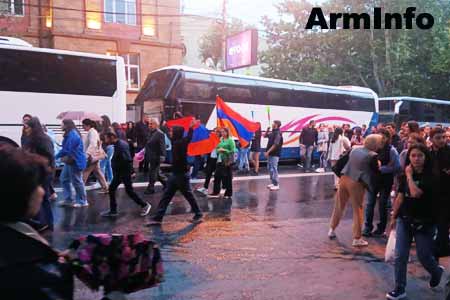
point(237, 178)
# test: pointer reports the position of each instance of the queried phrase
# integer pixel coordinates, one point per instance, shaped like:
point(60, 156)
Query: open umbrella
point(78, 115)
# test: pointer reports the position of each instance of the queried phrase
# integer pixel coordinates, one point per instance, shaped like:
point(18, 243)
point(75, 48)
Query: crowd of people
point(405, 171)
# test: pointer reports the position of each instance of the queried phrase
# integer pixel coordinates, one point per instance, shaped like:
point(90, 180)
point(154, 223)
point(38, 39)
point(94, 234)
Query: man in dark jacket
point(180, 178)
point(273, 153)
point(308, 139)
point(395, 138)
point(440, 154)
point(142, 131)
point(155, 153)
point(121, 163)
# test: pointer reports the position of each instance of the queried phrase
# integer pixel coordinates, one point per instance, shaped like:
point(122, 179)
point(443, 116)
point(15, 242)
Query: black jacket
point(121, 161)
point(309, 136)
point(441, 162)
point(156, 145)
point(29, 269)
point(43, 146)
point(179, 149)
point(141, 131)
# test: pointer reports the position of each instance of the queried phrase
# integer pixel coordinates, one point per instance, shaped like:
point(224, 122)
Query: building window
point(120, 11)
point(11, 7)
point(132, 71)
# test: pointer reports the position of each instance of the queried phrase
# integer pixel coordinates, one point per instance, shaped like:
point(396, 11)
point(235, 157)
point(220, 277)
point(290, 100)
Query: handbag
point(96, 155)
point(340, 163)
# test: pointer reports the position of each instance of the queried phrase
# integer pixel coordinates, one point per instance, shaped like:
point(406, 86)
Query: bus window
point(39, 72)
point(156, 85)
point(272, 96)
point(386, 105)
point(196, 91)
point(362, 102)
point(239, 94)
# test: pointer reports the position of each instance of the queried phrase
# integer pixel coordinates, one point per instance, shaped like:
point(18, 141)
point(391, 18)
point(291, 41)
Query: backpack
point(340, 163)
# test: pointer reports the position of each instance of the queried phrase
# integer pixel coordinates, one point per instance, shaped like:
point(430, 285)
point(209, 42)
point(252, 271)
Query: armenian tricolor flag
point(239, 126)
point(203, 142)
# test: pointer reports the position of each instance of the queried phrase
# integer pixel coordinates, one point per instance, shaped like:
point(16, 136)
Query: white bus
point(45, 82)
point(193, 92)
point(422, 110)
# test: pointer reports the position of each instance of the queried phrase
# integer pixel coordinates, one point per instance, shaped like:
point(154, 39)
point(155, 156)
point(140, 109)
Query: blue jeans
point(309, 152)
point(105, 164)
point(273, 169)
point(71, 175)
point(243, 159)
point(383, 208)
point(424, 246)
point(45, 215)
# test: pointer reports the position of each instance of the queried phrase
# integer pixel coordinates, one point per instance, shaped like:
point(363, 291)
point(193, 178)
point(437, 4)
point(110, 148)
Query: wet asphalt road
point(259, 245)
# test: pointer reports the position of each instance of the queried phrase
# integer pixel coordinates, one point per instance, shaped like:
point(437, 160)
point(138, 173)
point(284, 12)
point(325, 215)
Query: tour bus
point(46, 82)
point(403, 109)
point(193, 92)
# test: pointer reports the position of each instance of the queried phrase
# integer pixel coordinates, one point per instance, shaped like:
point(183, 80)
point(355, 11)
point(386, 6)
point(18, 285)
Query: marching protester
point(131, 138)
point(142, 131)
point(389, 164)
point(273, 153)
point(211, 166)
point(74, 159)
point(122, 165)
point(413, 138)
point(322, 147)
point(225, 159)
point(440, 156)
point(105, 164)
point(40, 144)
point(119, 131)
point(94, 154)
point(357, 138)
point(396, 141)
point(255, 150)
point(308, 140)
point(358, 175)
point(338, 145)
point(180, 178)
point(155, 154)
point(415, 218)
point(24, 136)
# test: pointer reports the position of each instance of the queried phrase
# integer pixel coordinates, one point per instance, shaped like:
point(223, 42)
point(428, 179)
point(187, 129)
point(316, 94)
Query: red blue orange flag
point(239, 126)
point(203, 142)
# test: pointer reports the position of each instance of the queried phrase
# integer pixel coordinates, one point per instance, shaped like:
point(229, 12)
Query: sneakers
point(197, 219)
point(331, 234)
point(360, 243)
point(80, 204)
point(396, 295)
point(109, 214)
point(320, 170)
point(270, 185)
point(275, 188)
point(202, 190)
point(222, 191)
point(214, 196)
point(435, 281)
point(64, 203)
point(145, 210)
point(379, 233)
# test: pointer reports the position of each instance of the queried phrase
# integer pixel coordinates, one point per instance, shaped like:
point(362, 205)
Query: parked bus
point(193, 92)
point(45, 82)
point(422, 110)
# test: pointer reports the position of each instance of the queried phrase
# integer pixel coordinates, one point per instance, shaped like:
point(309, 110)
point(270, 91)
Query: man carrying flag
point(180, 178)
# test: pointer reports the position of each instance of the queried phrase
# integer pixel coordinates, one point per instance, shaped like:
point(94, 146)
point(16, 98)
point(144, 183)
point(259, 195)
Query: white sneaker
point(360, 243)
point(201, 190)
point(275, 188)
point(320, 170)
point(145, 210)
point(222, 191)
point(331, 234)
point(270, 185)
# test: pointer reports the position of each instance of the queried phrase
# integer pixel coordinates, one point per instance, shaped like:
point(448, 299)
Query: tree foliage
point(411, 62)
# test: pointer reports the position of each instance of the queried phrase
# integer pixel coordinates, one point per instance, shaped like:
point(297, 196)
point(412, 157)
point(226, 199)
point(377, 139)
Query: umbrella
point(78, 115)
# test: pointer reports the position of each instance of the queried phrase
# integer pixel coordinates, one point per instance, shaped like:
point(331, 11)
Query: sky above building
point(249, 11)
